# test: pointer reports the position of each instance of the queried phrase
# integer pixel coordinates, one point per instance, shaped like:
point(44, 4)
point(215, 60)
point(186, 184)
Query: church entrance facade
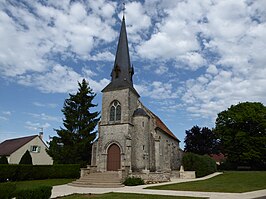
point(113, 158)
point(131, 137)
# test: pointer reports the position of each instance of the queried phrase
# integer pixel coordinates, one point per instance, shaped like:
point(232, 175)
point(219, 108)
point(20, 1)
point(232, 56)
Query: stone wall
point(140, 141)
point(152, 177)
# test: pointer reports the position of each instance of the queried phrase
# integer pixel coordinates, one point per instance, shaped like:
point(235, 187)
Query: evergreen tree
point(73, 145)
point(26, 158)
point(201, 141)
point(3, 160)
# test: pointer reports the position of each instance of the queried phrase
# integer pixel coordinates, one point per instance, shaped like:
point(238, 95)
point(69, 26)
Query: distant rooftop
point(10, 146)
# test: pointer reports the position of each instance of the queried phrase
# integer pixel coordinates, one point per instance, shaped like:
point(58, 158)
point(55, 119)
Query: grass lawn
point(125, 195)
point(37, 183)
point(231, 182)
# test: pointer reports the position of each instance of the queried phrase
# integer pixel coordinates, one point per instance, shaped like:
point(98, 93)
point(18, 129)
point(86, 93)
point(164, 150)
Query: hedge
point(133, 181)
point(203, 165)
point(42, 192)
point(38, 172)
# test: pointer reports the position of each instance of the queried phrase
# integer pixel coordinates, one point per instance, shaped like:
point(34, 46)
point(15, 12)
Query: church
point(130, 136)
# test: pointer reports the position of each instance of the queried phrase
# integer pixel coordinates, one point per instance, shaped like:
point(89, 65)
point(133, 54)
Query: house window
point(115, 111)
point(35, 149)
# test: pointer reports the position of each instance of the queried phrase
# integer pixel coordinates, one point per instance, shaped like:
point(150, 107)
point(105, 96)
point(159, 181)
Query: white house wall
point(38, 158)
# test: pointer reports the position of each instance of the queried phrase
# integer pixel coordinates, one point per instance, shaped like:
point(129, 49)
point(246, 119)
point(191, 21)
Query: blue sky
point(192, 59)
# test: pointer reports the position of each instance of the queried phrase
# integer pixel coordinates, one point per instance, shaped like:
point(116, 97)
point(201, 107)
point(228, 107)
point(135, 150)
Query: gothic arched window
point(115, 111)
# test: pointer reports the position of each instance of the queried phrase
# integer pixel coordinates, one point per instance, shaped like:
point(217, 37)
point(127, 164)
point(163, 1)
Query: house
point(130, 135)
point(14, 149)
point(218, 158)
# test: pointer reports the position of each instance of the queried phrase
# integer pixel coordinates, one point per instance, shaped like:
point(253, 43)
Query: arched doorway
point(113, 158)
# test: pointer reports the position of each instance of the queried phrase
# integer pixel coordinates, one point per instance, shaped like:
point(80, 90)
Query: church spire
point(122, 71)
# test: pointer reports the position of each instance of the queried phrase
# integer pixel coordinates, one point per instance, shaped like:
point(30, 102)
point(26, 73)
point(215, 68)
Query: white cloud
point(5, 115)
point(8, 113)
point(193, 60)
point(161, 70)
point(49, 105)
point(228, 37)
point(30, 41)
point(43, 116)
point(175, 37)
point(157, 90)
point(137, 20)
point(3, 118)
point(102, 56)
point(61, 79)
point(222, 43)
point(36, 125)
point(212, 69)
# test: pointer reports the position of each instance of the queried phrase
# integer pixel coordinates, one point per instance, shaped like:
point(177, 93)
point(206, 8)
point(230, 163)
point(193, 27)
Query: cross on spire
point(124, 9)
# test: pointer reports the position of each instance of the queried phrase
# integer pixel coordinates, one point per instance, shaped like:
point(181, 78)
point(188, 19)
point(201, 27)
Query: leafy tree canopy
point(73, 144)
point(242, 130)
point(201, 141)
point(26, 158)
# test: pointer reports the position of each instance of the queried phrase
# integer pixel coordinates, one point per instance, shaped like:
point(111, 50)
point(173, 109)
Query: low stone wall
point(86, 171)
point(152, 177)
point(187, 174)
point(175, 174)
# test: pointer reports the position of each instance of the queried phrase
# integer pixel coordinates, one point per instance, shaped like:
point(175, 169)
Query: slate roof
point(10, 146)
point(122, 72)
point(140, 112)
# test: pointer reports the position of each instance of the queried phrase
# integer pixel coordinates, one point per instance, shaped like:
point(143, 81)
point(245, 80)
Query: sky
point(192, 59)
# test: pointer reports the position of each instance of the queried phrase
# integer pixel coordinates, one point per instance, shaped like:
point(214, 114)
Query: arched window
point(115, 111)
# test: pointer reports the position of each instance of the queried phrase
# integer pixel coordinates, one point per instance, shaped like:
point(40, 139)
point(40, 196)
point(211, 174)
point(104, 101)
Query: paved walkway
point(63, 190)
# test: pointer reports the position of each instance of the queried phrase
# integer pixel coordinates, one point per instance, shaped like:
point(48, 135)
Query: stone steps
point(99, 179)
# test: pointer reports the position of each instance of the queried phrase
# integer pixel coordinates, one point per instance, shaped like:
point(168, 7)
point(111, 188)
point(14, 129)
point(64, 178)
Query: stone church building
point(130, 135)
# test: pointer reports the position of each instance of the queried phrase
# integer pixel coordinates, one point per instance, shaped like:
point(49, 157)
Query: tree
point(201, 141)
point(26, 158)
point(242, 130)
point(3, 160)
point(73, 145)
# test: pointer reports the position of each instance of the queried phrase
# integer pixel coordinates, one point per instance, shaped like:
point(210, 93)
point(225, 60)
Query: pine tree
point(26, 158)
point(73, 145)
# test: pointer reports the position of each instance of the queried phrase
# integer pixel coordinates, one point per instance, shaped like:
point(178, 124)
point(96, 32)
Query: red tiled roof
point(9, 146)
point(218, 157)
point(163, 127)
point(159, 124)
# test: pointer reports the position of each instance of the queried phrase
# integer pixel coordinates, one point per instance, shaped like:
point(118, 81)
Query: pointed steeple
point(122, 68)
point(122, 72)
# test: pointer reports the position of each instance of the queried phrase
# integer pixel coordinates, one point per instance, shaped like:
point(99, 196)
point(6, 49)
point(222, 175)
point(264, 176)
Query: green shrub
point(7, 190)
point(63, 170)
point(26, 158)
point(203, 165)
point(133, 181)
point(38, 172)
point(42, 192)
point(3, 160)
point(8, 172)
point(24, 172)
